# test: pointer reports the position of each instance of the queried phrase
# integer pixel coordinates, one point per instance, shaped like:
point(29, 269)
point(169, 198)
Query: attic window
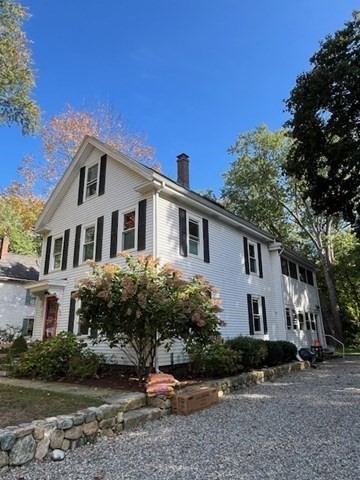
point(92, 180)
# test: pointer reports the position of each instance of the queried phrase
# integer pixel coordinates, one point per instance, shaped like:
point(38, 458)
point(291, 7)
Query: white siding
point(119, 195)
point(226, 271)
point(12, 304)
point(303, 298)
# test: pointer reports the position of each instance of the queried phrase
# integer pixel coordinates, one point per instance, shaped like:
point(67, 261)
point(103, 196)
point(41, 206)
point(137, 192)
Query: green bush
point(253, 351)
point(56, 357)
point(215, 359)
point(289, 351)
point(18, 347)
point(274, 353)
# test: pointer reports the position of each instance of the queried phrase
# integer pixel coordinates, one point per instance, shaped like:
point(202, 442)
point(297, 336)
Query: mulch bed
point(125, 379)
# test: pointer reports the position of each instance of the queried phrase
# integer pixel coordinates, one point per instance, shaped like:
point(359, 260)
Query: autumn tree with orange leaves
point(62, 135)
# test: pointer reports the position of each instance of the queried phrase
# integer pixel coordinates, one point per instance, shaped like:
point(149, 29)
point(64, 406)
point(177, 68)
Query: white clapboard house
point(106, 202)
point(17, 305)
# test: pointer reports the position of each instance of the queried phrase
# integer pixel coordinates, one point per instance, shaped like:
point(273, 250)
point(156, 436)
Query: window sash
point(89, 243)
point(252, 258)
point(92, 180)
point(307, 321)
point(302, 274)
point(295, 320)
point(301, 320)
point(293, 270)
point(194, 236)
point(288, 319)
point(57, 252)
point(129, 228)
point(257, 315)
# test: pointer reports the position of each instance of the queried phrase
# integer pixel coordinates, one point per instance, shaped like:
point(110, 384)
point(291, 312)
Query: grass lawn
point(18, 405)
point(348, 351)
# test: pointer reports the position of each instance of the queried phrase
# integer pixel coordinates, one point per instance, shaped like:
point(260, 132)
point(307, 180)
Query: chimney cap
point(183, 156)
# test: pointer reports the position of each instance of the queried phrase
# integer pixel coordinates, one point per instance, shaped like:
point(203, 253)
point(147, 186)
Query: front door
point(50, 317)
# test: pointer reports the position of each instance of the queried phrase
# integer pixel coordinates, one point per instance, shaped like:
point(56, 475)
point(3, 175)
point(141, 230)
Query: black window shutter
point(99, 239)
point(102, 174)
point(77, 246)
point(264, 314)
point(65, 250)
point(246, 255)
point(114, 233)
point(47, 255)
point(71, 313)
point(250, 312)
point(141, 244)
point(206, 240)
point(182, 232)
point(260, 260)
point(81, 185)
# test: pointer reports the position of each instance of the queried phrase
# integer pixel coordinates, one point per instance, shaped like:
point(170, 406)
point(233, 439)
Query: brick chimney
point(4, 248)
point(183, 170)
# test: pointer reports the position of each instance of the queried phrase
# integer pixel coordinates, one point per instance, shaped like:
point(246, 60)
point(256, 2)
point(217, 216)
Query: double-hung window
point(253, 258)
point(257, 314)
point(313, 320)
point(295, 319)
point(301, 321)
point(57, 252)
point(129, 230)
point(89, 243)
point(91, 181)
point(194, 236)
point(288, 318)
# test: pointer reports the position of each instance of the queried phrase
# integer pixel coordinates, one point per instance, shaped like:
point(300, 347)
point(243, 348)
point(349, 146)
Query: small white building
point(107, 202)
point(17, 305)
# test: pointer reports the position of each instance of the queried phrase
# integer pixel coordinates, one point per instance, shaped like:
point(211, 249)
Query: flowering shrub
point(56, 357)
point(145, 304)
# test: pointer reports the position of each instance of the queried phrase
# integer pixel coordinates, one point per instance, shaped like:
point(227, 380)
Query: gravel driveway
point(303, 426)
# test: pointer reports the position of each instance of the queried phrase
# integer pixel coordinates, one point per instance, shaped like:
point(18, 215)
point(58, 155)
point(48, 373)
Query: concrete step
point(142, 415)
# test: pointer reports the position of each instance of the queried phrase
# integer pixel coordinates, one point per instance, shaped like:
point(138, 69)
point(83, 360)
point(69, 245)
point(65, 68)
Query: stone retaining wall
point(52, 437)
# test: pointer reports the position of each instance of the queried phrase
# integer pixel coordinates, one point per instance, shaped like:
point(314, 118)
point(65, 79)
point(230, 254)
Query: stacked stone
point(52, 437)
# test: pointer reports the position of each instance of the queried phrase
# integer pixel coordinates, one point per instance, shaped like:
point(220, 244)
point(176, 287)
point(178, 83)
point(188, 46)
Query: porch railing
point(338, 341)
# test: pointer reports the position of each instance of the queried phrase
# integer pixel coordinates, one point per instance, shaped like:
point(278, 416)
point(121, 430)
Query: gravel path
point(303, 426)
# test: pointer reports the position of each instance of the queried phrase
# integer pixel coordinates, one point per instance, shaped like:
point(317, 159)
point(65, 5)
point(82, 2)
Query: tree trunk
point(334, 323)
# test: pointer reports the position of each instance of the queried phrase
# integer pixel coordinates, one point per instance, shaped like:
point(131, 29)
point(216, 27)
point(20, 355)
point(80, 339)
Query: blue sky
point(192, 74)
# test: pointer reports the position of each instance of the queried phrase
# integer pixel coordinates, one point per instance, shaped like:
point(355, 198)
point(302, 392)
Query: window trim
point(82, 244)
point(288, 318)
point(255, 257)
point(121, 228)
point(76, 328)
point(53, 268)
point(86, 182)
point(25, 322)
point(195, 219)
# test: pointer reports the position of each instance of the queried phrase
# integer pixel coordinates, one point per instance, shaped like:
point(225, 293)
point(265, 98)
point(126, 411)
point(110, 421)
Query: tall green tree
point(325, 123)
point(16, 66)
point(256, 189)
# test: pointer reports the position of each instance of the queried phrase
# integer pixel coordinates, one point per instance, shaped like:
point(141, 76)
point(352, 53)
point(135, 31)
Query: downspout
point(155, 220)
